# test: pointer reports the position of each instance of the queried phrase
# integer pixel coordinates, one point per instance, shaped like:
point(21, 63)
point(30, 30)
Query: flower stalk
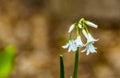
point(76, 63)
point(61, 67)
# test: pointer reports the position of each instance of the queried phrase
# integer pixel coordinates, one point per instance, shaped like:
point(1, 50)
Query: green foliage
point(7, 61)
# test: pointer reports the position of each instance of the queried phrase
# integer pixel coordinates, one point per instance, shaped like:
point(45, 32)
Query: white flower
point(70, 45)
point(91, 24)
point(71, 28)
point(89, 45)
point(89, 48)
point(91, 39)
point(79, 42)
point(88, 37)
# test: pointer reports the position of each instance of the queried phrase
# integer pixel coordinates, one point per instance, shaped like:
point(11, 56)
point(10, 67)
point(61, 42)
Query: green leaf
point(61, 67)
point(7, 61)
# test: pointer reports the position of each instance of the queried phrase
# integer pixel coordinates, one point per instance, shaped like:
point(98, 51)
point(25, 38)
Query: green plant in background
point(7, 61)
point(75, 44)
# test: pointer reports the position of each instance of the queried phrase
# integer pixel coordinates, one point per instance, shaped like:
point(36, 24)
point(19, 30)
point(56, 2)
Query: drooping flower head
point(73, 44)
point(89, 44)
point(81, 26)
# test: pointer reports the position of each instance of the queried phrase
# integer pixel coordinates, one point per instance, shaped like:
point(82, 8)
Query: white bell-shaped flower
point(79, 42)
point(89, 37)
point(89, 45)
point(71, 46)
point(91, 24)
point(89, 49)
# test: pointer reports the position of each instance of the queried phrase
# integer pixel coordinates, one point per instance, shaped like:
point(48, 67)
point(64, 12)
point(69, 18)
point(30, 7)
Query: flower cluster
point(73, 44)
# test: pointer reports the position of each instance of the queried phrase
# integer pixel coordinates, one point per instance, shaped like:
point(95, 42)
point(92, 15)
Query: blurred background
point(39, 28)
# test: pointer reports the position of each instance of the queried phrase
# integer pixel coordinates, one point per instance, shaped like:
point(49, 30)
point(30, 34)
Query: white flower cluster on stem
point(81, 26)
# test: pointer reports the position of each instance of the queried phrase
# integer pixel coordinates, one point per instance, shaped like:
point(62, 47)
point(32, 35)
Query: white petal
point(91, 38)
point(93, 48)
point(85, 33)
point(83, 50)
point(90, 49)
point(65, 46)
point(69, 49)
point(71, 28)
point(79, 25)
point(79, 42)
point(87, 53)
point(73, 46)
point(91, 24)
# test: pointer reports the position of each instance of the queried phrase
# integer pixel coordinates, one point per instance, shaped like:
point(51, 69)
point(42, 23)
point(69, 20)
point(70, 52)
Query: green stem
point(76, 63)
point(61, 67)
